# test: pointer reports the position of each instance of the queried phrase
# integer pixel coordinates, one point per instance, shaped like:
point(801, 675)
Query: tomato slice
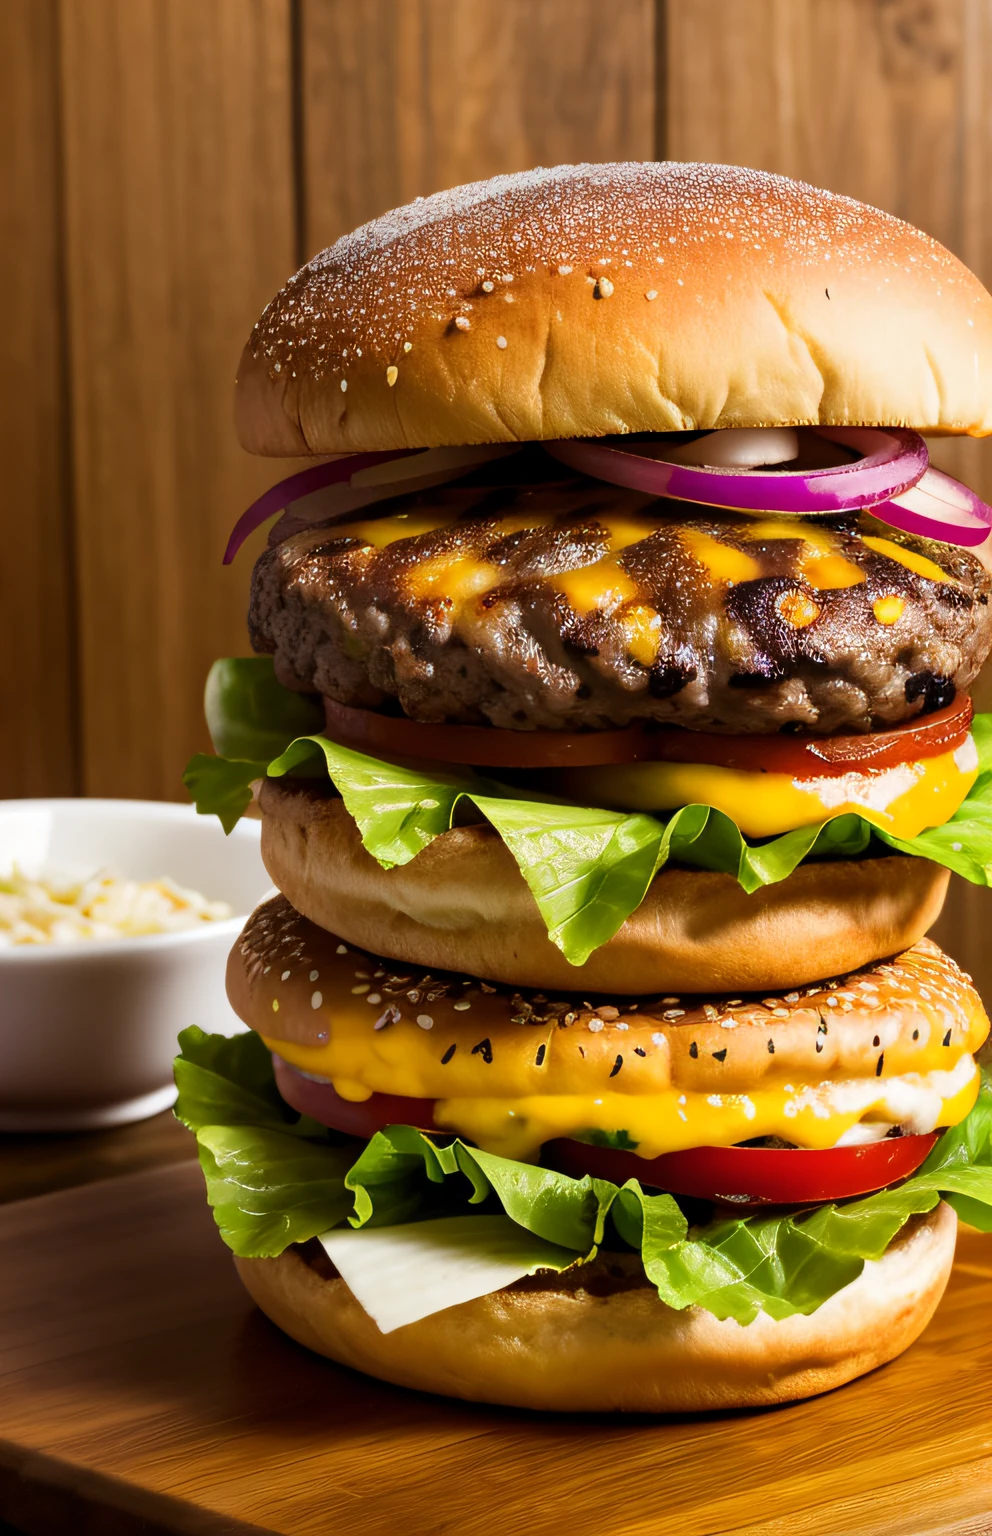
point(802, 756)
point(740, 1175)
point(363, 1118)
point(752, 1175)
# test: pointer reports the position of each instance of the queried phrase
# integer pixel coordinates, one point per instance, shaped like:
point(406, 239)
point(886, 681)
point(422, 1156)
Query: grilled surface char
point(576, 605)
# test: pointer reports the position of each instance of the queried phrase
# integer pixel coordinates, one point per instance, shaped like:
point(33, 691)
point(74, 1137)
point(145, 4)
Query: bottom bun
point(599, 1339)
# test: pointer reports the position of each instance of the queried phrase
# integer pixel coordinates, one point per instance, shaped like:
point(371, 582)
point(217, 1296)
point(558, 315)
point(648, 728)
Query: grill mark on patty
point(663, 639)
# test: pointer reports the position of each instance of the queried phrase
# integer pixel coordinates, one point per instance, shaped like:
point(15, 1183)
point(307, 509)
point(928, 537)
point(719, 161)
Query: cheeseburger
point(609, 724)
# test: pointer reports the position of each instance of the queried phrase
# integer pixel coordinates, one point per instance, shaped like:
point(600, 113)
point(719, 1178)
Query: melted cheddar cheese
point(812, 1115)
point(903, 800)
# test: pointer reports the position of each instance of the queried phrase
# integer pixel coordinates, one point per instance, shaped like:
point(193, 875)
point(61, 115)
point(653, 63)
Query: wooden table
point(140, 1391)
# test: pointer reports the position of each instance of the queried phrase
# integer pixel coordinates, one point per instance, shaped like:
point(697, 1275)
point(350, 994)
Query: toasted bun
point(595, 299)
point(391, 1029)
point(599, 1339)
point(463, 905)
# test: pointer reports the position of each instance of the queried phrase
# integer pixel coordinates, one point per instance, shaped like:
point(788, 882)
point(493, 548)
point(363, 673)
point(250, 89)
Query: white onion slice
point(737, 448)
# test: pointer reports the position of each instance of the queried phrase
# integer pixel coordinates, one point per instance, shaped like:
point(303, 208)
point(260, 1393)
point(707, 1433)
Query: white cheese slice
point(401, 1274)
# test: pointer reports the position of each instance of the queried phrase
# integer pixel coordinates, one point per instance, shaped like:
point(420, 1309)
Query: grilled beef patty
point(577, 605)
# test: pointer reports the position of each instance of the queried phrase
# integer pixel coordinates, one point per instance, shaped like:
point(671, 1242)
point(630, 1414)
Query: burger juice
point(610, 729)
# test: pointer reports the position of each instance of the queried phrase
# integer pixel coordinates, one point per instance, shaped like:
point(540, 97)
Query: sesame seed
point(719, 1055)
point(374, 997)
point(448, 1054)
point(267, 970)
point(284, 976)
point(463, 323)
point(780, 1013)
point(501, 342)
point(277, 367)
point(669, 1001)
point(488, 287)
point(275, 1005)
point(408, 346)
point(462, 1004)
point(344, 386)
point(425, 1021)
point(616, 1066)
point(539, 1058)
point(360, 990)
point(607, 1011)
point(652, 293)
point(342, 949)
point(603, 288)
point(314, 975)
point(694, 1051)
point(565, 271)
point(657, 1039)
point(316, 999)
point(595, 1025)
point(674, 1013)
point(392, 374)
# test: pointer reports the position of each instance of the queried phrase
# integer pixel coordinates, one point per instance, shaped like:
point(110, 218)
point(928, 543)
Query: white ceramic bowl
point(88, 1031)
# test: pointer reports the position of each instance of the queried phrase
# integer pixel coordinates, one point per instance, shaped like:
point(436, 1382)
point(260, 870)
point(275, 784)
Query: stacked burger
point(610, 730)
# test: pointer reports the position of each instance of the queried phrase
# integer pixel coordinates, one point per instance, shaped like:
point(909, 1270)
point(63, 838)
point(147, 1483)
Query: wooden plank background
point(165, 165)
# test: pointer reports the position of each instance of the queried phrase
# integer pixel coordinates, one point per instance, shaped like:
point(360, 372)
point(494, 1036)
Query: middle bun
point(463, 905)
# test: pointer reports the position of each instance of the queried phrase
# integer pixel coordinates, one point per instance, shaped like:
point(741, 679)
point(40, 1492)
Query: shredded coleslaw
point(54, 909)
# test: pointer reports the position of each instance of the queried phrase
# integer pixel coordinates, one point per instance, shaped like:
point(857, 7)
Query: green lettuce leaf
point(251, 715)
point(283, 1179)
point(963, 844)
point(588, 869)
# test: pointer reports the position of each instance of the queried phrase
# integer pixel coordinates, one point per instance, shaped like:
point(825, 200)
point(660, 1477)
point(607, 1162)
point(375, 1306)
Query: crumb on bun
point(593, 299)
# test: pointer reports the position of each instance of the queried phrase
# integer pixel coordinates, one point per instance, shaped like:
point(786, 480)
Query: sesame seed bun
point(598, 1338)
point(595, 299)
point(396, 1025)
point(463, 905)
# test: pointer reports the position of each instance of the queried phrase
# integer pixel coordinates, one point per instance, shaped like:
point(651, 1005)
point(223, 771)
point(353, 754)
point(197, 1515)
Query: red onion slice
point(893, 459)
point(278, 497)
point(939, 507)
point(357, 481)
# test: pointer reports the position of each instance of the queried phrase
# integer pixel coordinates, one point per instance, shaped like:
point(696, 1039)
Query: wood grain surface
point(37, 680)
point(400, 98)
point(139, 1391)
point(37, 1164)
point(179, 227)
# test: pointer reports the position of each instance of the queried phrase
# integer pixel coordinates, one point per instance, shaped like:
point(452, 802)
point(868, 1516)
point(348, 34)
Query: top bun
point(595, 299)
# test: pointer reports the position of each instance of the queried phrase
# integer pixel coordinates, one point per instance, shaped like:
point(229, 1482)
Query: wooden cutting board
point(140, 1391)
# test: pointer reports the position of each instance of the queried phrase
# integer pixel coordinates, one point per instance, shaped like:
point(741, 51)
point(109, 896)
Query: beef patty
point(579, 605)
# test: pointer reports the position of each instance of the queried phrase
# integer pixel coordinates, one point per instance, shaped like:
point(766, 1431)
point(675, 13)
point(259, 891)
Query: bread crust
point(557, 1345)
point(463, 905)
point(593, 299)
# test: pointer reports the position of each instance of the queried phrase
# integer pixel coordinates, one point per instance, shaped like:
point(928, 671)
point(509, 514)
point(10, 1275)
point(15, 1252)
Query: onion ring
point(939, 507)
point(359, 483)
point(894, 459)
